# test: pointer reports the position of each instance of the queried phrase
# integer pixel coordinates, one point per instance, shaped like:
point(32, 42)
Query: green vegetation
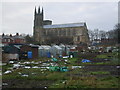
point(74, 78)
point(87, 82)
point(5, 67)
point(102, 56)
point(99, 72)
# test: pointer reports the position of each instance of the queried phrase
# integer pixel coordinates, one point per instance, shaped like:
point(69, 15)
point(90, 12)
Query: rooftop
point(64, 25)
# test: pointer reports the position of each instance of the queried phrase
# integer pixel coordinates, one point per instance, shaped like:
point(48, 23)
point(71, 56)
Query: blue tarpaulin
point(85, 60)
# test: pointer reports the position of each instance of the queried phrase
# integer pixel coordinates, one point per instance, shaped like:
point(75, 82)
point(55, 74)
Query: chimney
point(17, 34)
point(10, 35)
point(3, 35)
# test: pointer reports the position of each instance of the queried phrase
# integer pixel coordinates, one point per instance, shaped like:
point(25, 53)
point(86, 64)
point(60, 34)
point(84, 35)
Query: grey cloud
point(18, 17)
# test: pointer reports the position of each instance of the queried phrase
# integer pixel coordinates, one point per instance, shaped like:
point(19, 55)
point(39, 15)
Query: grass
point(60, 77)
point(99, 72)
point(92, 82)
point(108, 82)
point(5, 67)
point(101, 56)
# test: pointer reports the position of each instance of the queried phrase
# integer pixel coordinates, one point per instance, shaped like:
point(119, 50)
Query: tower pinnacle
point(39, 10)
point(35, 10)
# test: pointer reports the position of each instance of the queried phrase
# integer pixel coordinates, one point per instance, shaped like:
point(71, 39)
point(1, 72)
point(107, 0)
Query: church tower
point(38, 25)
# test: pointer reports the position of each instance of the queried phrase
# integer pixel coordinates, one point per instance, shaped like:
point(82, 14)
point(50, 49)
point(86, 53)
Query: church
point(45, 32)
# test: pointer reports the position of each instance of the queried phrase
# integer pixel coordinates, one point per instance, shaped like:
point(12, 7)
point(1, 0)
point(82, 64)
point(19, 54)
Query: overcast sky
point(19, 16)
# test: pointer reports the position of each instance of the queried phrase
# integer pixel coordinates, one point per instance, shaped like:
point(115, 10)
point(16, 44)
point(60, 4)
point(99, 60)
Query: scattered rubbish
point(35, 67)
point(51, 56)
point(53, 64)
point(65, 56)
point(54, 68)
point(19, 73)
point(63, 81)
point(39, 61)
point(54, 59)
point(25, 75)
point(45, 87)
point(22, 66)
point(16, 65)
point(71, 56)
point(33, 73)
point(47, 67)
point(66, 60)
point(36, 63)
point(43, 69)
point(117, 66)
point(45, 64)
point(63, 69)
point(7, 72)
point(57, 68)
point(32, 62)
point(11, 62)
point(48, 60)
point(106, 59)
point(85, 60)
point(4, 84)
point(18, 62)
point(26, 62)
point(27, 67)
point(73, 67)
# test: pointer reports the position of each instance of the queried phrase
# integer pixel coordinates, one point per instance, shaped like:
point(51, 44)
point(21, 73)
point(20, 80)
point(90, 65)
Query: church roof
point(64, 25)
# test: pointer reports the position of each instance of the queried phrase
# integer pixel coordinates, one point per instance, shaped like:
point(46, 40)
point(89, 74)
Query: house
point(10, 39)
point(18, 38)
point(7, 39)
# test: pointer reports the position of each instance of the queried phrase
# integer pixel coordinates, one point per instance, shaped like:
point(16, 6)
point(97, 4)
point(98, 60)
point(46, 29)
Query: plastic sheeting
point(85, 60)
point(54, 59)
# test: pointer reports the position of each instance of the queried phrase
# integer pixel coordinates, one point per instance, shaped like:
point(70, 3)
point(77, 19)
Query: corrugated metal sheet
point(64, 25)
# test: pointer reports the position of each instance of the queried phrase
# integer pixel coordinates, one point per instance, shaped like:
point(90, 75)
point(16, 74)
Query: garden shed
point(29, 51)
point(10, 52)
point(44, 51)
point(56, 50)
